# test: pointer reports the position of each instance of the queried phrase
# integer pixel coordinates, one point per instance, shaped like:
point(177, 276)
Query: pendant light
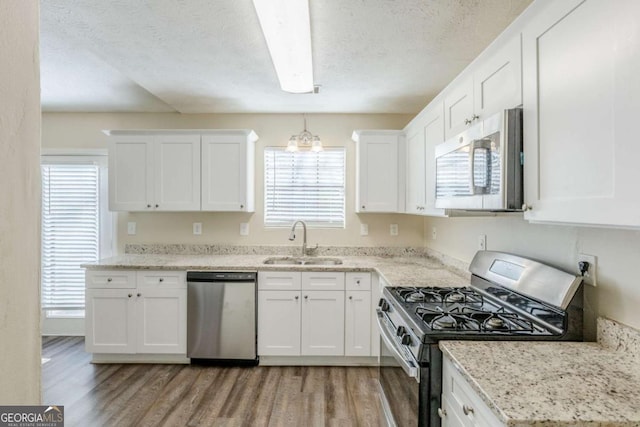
point(304, 139)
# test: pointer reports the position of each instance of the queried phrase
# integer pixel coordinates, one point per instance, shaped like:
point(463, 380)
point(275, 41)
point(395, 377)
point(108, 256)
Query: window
point(74, 218)
point(304, 185)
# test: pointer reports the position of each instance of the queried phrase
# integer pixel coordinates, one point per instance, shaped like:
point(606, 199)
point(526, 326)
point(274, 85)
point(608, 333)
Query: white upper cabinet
point(380, 176)
point(581, 62)
point(156, 170)
point(424, 133)
point(228, 162)
point(493, 82)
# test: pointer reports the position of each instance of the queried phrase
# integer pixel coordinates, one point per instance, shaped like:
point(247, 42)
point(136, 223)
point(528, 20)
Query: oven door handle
point(408, 366)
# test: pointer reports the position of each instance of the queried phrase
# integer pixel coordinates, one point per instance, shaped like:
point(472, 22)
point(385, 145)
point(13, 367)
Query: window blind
point(70, 232)
point(304, 185)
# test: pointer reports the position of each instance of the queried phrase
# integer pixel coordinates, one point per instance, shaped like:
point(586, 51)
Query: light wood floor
point(185, 395)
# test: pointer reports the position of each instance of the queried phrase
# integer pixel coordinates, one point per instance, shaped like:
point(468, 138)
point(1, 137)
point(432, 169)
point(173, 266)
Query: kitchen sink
point(302, 261)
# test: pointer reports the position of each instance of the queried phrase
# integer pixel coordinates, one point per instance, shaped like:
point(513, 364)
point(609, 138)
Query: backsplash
point(619, 337)
point(195, 249)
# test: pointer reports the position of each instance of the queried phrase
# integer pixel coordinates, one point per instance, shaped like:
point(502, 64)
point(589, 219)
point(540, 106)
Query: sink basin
point(302, 261)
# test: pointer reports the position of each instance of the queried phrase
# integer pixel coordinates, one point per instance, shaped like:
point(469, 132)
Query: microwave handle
point(484, 144)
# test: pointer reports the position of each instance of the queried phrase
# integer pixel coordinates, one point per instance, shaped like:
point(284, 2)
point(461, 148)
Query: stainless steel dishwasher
point(221, 317)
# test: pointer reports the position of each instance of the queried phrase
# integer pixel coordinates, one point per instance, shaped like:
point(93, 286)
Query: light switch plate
point(393, 229)
point(364, 229)
point(434, 233)
point(131, 228)
point(197, 228)
point(482, 242)
point(244, 228)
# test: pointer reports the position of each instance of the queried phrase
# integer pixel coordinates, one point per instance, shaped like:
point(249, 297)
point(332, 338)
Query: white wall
point(69, 130)
point(19, 203)
point(617, 295)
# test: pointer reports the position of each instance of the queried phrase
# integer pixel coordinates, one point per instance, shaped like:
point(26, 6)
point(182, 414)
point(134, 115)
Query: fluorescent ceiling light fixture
point(287, 30)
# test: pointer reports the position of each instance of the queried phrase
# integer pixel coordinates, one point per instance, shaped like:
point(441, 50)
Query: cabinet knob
point(130, 295)
point(475, 117)
point(161, 280)
point(139, 294)
point(442, 412)
point(241, 206)
point(297, 297)
point(357, 282)
point(467, 121)
point(306, 296)
point(350, 296)
point(157, 206)
point(362, 206)
point(467, 409)
point(148, 206)
point(526, 207)
point(109, 279)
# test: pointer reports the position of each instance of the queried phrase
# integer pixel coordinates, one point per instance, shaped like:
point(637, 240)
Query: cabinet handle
point(442, 412)
point(109, 279)
point(467, 409)
point(526, 207)
point(139, 294)
point(130, 295)
point(161, 280)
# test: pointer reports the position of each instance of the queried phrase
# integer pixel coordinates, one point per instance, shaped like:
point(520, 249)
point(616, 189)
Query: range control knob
point(380, 301)
point(384, 305)
point(406, 339)
point(401, 331)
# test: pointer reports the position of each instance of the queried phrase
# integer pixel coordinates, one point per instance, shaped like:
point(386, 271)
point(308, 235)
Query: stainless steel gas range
point(508, 298)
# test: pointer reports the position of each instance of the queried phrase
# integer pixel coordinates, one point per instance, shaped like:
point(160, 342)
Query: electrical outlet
point(434, 233)
point(482, 242)
point(590, 277)
point(244, 228)
point(364, 229)
point(393, 229)
point(197, 228)
point(131, 228)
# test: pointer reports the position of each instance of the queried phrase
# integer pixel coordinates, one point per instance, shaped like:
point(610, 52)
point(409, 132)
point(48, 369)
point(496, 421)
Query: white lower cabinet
point(461, 405)
point(310, 314)
point(143, 312)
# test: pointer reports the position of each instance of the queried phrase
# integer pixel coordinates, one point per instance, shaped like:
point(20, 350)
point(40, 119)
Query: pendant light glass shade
point(304, 139)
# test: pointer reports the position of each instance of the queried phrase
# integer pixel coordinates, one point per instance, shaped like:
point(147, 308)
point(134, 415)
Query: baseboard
point(318, 361)
point(139, 358)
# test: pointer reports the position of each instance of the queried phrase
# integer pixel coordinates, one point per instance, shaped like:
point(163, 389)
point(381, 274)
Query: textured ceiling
point(209, 56)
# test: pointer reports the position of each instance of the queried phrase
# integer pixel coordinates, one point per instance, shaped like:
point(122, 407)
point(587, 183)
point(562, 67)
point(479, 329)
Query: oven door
point(399, 378)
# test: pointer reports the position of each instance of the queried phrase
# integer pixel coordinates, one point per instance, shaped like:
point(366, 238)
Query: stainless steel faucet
point(292, 236)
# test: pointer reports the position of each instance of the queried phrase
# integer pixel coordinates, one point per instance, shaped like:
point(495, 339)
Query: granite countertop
point(556, 383)
point(396, 270)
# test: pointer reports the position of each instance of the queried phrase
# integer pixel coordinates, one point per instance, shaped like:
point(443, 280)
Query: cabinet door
point(131, 173)
point(110, 321)
point(458, 107)
point(225, 173)
point(161, 317)
point(378, 173)
point(581, 62)
point(177, 173)
point(322, 323)
point(357, 323)
point(279, 323)
point(416, 178)
point(433, 130)
point(497, 80)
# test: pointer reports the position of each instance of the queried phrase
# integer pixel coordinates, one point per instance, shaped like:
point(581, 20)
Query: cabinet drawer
point(117, 279)
point(162, 279)
point(279, 280)
point(358, 281)
point(322, 281)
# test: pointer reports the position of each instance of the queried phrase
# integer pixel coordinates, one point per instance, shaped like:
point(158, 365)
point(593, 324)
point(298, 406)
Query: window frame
point(311, 224)
point(106, 218)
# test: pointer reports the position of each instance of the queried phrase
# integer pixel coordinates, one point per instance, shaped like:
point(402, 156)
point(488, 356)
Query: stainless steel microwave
point(481, 168)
